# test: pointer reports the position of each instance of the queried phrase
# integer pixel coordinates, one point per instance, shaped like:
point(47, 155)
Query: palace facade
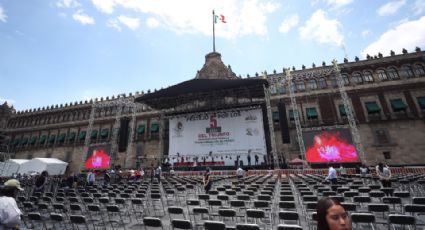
point(387, 95)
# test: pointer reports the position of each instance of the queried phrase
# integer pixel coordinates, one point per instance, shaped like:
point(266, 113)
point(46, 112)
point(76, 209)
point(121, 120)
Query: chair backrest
point(175, 210)
point(288, 215)
point(34, 216)
point(363, 218)
point(227, 212)
point(255, 213)
point(247, 227)
point(289, 227)
point(56, 217)
point(77, 219)
point(214, 225)
point(414, 208)
point(287, 204)
point(152, 222)
point(401, 219)
point(378, 207)
point(418, 200)
point(351, 207)
point(181, 224)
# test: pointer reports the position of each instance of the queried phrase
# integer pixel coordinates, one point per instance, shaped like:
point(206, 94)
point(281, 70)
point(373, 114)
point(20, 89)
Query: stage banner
point(98, 156)
point(329, 146)
point(218, 136)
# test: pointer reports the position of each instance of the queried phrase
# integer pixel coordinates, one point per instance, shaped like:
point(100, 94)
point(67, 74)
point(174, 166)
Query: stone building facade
point(386, 93)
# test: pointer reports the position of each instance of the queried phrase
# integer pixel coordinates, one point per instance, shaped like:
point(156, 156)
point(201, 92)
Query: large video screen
point(98, 157)
point(219, 136)
point(330, 146)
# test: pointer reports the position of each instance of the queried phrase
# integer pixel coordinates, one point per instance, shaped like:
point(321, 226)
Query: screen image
point(330, 146)
point(98, 157)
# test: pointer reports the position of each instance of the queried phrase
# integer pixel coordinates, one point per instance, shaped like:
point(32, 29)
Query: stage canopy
point(11, 166)
point(37, 165)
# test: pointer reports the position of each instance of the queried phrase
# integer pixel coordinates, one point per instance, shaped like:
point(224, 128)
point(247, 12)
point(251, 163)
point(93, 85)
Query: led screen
point(329, 146)
point(98, 157)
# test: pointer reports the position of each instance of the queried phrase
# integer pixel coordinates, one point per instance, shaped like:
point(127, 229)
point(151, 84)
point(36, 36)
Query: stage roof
point(203, 88)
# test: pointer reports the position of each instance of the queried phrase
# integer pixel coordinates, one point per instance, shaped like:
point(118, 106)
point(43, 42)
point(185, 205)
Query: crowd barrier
point(394, 170)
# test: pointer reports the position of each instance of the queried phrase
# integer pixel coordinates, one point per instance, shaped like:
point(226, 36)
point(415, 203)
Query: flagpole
point(213, 31)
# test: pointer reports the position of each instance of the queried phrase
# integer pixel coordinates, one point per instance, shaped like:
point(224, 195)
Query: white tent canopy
point(52, 165)
point(11, 166)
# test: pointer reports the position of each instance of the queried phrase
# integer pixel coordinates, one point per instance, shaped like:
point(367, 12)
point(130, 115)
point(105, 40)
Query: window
point(300, 86)
point(398, 105)
point(282, 90)
point(382, 75)
point(154, 128)
point(140, 129)
point(312, 84)
point(421, 102)
point(345, 79)
point(357, 78)
point(291, 115)
point(275, 116)
point(367, 75)
point(419, 70)
point(407, 72)
point(333, 82)
point(387, 155)
point(311, 113)
point(392, 74)
point(322, 83)
point(381, 136)
point(372, 107)
point(342, 111)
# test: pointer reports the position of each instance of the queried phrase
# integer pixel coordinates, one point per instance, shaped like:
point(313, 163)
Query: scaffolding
point(349, 111)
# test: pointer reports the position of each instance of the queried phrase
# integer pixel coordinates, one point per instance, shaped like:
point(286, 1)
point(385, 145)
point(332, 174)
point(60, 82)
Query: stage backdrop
point(330, 146)
point(218, 134)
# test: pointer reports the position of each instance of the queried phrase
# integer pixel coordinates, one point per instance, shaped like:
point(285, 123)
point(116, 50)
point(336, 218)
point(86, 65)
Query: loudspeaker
point(283, 121)
point(122, 144)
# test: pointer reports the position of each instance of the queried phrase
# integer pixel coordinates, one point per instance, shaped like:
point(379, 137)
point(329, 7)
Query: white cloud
point(365, 33)
point(390, 7)
point(114, 23)
point(419, 7)
point(321, 29)
point(288, 23)
point(8, 101)
point(338, 3)
point(407, 35)
point(193, 16)
point(105, 6)
point(132, 23)
point(152, 22)
point(67, 4)
point(82, 18)
point(3, 15)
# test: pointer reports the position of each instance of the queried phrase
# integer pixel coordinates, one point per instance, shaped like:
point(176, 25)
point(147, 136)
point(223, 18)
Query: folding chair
point(181, 224)
point(36, 220)
point(289, 227)
point(403, 220)
point(247, 227)
point(152, 222)
point(78, 220)
point(214, 225)
point(363, 218)
point(289, 216)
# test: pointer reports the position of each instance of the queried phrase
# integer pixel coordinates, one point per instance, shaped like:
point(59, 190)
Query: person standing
point(90, 178)
point(158, 172)
point(40, 182)
point(343, 171)
point(207, 181)
point(384, 174)
point(10, 214)
point(240, 173)
point(332, 177)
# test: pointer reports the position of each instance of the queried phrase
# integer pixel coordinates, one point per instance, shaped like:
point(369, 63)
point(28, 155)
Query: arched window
point(357, 78)
point(345, 79)
point(407, 72)
point(382, 75)
point(392, 73)
point(333, 81)
point(312, 84)
point(300, 86)
point(367, 76)
point(322, 82)
point(419, 70)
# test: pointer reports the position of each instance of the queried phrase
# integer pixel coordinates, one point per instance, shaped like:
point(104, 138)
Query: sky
point(62, 51)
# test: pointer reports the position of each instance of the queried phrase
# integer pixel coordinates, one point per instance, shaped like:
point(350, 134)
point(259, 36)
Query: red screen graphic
point(331, 147)
point(99, 159)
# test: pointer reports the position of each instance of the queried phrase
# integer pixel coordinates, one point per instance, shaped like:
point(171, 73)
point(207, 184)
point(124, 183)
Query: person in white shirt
point(10, 214)
point(342, 171)
point(332, 177)
point(90, 178)
point(240, 173)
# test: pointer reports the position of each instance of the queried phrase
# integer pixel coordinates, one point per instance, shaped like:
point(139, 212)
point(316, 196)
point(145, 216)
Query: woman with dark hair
point(40, 182)
point(207, 181)
point(331, 215)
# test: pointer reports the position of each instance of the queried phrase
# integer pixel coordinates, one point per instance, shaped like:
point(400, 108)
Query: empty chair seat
point(181, 224)
point(403, 220)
